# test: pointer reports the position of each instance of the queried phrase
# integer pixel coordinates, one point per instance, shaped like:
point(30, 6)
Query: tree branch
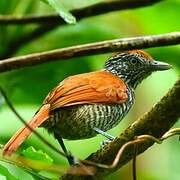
point(92, 10)
point(90, 49)
point(50, 22)
point(155, 123)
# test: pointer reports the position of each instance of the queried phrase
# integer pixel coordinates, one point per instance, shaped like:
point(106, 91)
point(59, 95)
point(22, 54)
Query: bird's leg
point(105, 134)
point(71, 159)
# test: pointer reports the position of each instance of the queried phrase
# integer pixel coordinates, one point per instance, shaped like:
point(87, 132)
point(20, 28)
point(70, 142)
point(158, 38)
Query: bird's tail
point(24, 132)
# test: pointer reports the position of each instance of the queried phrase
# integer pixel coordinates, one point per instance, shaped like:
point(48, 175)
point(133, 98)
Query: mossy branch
point(156, 122)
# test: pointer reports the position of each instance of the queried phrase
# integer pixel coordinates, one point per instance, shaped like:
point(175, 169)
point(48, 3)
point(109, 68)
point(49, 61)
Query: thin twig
point(117, 157)
point(92, 10)
point(170, 133)
point(135, 142)
point(134, 161)
point(53, 21)
point(90, 49)
point(24, 122)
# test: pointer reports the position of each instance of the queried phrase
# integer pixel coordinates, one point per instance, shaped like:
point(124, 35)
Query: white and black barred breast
point(77, 122)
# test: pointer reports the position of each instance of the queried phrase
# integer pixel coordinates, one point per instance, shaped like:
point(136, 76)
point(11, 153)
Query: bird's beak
point(160, 66)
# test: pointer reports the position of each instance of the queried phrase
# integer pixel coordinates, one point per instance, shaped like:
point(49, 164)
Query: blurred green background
point(27, 87)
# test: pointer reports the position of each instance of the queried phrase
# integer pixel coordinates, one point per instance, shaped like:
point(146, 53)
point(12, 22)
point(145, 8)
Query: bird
point(84, 105)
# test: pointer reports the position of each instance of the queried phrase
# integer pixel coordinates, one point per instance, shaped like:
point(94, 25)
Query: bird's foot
point(108, 136)
point(103, 143)
point(72, 159)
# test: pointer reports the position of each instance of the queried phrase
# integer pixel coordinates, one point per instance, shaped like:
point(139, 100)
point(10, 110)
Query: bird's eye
point(133, 61)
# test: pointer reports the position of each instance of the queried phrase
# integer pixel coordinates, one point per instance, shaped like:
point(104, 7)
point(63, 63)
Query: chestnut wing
point(88, 88)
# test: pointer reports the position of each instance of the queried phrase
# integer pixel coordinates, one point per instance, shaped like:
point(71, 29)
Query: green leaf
point(6, 173)
point(63, 12)
point(31, 153)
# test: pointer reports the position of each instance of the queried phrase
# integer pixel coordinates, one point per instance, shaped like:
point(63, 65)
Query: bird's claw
point(72, 159)
point(105, 134)
point(103, 143)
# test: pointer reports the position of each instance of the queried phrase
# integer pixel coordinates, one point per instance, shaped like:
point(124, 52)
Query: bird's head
point(134, 66)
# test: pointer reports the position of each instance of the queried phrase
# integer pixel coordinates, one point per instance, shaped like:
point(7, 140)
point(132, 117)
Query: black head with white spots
point(134, 66)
